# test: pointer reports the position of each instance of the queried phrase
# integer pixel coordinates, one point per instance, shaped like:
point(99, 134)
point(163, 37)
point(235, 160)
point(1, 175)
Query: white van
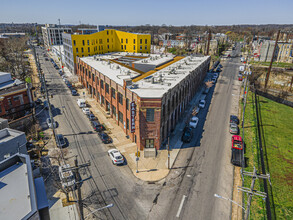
point(67, 178)
point(81, 103)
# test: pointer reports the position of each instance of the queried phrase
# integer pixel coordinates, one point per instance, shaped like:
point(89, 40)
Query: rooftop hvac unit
point(128, 72)
point(108, 62)
point(169, 84)
point(117, 67)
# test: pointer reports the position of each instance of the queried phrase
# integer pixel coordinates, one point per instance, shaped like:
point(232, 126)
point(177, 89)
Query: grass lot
point(277, 121)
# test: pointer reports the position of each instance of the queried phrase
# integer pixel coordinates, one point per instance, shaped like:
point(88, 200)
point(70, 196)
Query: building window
point(82, 49)
point(108, 46)
point(88, 49)
point(74, 43)
point(94, 91)
point(76, 50)
point(120, 98)
point(146, 41)
point(103, 99)
point(107, 88)
point(121, 40)
point(140, 41)
point(102, 84)
point(134, 47)
point(134, 41)
point(107, 32)
point(113, 93)
point(149, 143)
point(127, 104)
point(93, 76)
point(120, 117)
point(107, 40)
point(127, 123)
point(126, 40)
point(88, 42)
point(150, 114)
point(114, 110)
point(146, 47)
point(124, 47)
point(97, 80)
point(83, 42)
point(16, 98)
point(121, 47)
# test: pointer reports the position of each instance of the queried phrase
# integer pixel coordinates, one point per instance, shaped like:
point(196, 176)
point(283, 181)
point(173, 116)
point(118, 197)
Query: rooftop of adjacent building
point(153, 84)
point(8, 84)
point(9, 134)
point(17, 193)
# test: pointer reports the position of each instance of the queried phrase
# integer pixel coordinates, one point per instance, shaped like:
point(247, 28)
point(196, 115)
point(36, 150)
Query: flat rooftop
point(17, 196)
point(155, 59)
point(156, 84)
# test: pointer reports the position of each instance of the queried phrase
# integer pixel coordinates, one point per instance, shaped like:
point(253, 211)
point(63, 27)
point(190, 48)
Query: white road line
point(181, 205)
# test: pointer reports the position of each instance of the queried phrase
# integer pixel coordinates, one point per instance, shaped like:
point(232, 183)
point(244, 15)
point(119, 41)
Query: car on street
point(50, 124)
point(193, 122)
point(237, 158)
point(60, 140)
point(86, 111)
point(220, 65)
point(105, 137)
point(234, 119)
point(202, 103)
point(74, 92)
point(234, 129)
point(67, 177)
point(91, 116)
point(46, 59)
point(187, 135)
point(116, 156)
point(97, 126)
point(60, 72)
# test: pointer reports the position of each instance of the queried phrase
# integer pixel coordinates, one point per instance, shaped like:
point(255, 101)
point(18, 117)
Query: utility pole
point(168, 153)
point(251, 191)
point(209, 39)
point(270, 67)
point(78, 183)
point(60, 46)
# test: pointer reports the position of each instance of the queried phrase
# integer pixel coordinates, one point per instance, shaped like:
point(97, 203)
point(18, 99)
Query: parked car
point(237, 158)
point(202, 103)
point(187, 135)
point(50, 124)
point(91, 116)
point(234, 119)
point(214, 79)
point(193, 122)
point(60, 72)
point(86, 111)
point(67, 177)
point(220, 65)
point(60, 140)
point(234, 128)
point(206, 91)
point(116, 156)
point(74, 92)
point(105, 138)
point(46, 59)
point(216, 75)
point(46, 105)
point(97, 126)
point(38, 101)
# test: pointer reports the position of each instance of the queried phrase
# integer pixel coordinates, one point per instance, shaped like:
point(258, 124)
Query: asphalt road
point(203, 167)
point(131, 197)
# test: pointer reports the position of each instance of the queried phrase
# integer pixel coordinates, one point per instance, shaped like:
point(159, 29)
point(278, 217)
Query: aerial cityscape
point(146, 110)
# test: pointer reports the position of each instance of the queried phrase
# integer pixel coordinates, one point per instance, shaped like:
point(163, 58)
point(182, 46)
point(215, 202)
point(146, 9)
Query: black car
point(97, 126)
point(38, 101)
point(105, 138)
point(187, 134)
point(74, 92)
point(234, 119)
point(60, 140)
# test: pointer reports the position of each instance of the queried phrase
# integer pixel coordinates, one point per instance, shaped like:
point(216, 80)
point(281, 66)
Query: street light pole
point(105, 207)
point(230, 200)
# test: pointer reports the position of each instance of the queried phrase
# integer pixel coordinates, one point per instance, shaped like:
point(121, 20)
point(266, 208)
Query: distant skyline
point(153, 12)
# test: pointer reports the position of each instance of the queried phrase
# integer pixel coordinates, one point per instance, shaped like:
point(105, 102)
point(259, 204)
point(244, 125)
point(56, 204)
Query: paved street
point(203, 167)
point(131, 197)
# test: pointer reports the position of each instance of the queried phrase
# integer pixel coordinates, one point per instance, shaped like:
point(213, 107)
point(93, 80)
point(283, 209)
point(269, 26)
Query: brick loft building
point(15, 97)
point(146, 94)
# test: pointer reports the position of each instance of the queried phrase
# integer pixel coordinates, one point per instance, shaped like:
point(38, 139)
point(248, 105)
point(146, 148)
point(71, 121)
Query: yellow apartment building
point(83, 45)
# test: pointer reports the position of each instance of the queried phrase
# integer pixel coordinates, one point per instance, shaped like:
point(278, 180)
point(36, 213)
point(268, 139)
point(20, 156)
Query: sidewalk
point(150, 169)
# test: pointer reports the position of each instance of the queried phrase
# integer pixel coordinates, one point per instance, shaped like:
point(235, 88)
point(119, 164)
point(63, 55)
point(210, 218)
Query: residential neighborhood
point(145, 117)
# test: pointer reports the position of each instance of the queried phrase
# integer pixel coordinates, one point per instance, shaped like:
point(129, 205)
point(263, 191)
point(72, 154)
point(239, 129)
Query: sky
point(153, 12)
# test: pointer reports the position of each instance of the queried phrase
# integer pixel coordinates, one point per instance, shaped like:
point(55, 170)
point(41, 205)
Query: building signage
point(132, 116)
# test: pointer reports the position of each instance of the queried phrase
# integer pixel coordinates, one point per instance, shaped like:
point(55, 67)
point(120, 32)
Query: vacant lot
point(277, 125)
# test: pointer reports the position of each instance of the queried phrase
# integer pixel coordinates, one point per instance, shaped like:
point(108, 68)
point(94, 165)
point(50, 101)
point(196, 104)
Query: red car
point(237, 158)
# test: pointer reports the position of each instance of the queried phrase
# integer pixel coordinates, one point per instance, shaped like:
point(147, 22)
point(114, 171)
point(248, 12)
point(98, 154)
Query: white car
point(202, 103)
point(50, 124)
point(86, 111)
point(116, 156)
point(193, 122)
